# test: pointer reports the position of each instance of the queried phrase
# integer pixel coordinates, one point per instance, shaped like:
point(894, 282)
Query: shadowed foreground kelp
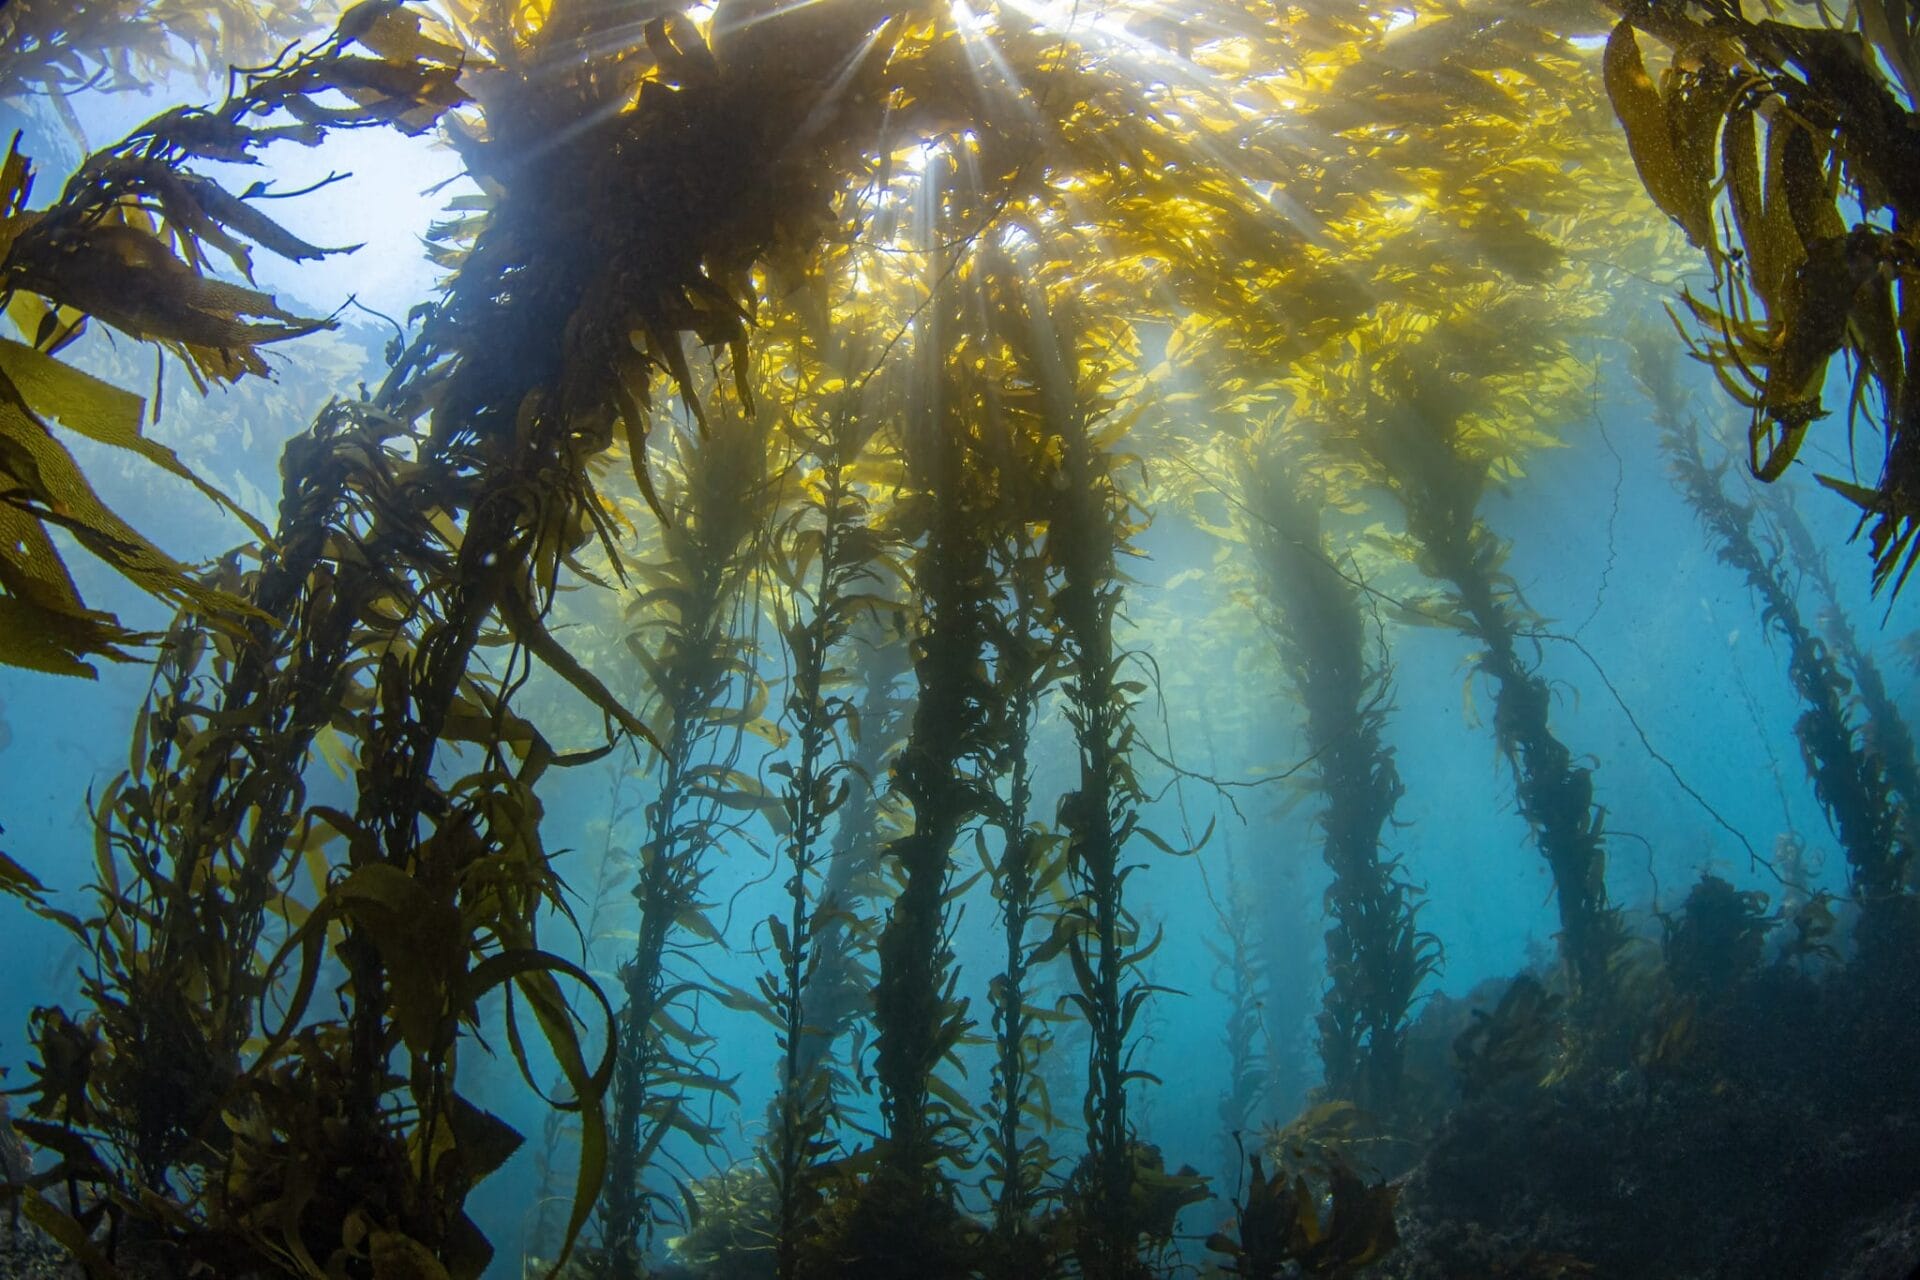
point(1815, 272)
point(129, 243)
point(870, 303)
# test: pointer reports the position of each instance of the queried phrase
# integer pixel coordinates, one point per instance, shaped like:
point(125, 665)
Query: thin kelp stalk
point(840, 988)
point(1414, 439)
point(826, 553)
point(1377, 956)
point(939, 773)
point(1029, 861)
point(1090, 524)
point(611, 873)
point(1885, 730)
point(1240, 980)
point(1848, 776)
point(687, 636)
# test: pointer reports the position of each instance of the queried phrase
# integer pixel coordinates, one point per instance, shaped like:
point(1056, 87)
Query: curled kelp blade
point(127, 244)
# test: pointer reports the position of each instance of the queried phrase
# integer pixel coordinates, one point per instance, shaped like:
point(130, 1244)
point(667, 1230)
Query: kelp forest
point(849, 640)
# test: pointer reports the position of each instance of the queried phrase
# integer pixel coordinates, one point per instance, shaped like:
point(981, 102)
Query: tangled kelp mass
point(976, 639)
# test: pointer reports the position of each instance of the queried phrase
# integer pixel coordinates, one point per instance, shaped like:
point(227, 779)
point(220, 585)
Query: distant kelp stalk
point(1849, 777)
point(1026, 876)
point(690, 629)
point(1884, 729)
point(1412, 435)
point(829, 562)
point(1377, 956)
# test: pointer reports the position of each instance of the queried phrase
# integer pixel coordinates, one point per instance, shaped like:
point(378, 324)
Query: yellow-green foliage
point(1048, 251)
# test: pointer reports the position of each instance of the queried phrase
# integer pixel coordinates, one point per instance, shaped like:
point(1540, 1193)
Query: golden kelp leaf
point(49, 484)
point(1819, 304)
point(1697, 99)
point(99, 411)
point(131, 280)
point(31, 567)
point(1636, 101)
point(392, 30)
point(1739, 145)
point(55, 640)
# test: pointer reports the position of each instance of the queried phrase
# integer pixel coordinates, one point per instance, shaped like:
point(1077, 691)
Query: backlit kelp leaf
point(45, 484)
point(57, 641)
point(533, 975)
point(1677, 182)
point(102, 412)
point(1819, 304)
point(129, 279)
point(391, 28)
point(1765, 230)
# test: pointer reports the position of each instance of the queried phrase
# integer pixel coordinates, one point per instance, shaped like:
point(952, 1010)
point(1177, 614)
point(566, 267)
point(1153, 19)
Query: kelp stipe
point(1377, 957)
point(1091, 523)
point(1884, 730)
point(1412, 437)
point(686, 630)
point(1029, 864)
point(827, 560)
point(905, 1217)
point(1848, 778)
point(1241, 980)
point(854, 889)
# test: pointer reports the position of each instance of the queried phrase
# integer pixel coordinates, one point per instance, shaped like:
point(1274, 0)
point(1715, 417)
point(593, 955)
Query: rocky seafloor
point(1767, 1130)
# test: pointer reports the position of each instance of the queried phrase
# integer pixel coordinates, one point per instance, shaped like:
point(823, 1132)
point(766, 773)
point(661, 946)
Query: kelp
point(1019, 215)
point(1515, 1040)
point(1884, 727)
point(829, 559)
point(853, 890)
point(1792, 225)
point(1377, 956)
point(122, 45)
point(1717, 938)
point(688, 634)
point(341, 1140)
point(1849, 779)
point(1242, 981)
point(1419, 400)
point(1089, 529)
point(128, 243)
point(204, 1052)
point(944, 774)
point(1026, 878)
point(1288, 1225)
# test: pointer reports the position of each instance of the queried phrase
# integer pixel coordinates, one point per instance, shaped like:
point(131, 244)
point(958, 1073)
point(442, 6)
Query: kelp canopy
point(840, 347)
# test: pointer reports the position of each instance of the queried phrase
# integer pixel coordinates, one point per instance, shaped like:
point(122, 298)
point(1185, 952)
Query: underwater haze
point(990, 638)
